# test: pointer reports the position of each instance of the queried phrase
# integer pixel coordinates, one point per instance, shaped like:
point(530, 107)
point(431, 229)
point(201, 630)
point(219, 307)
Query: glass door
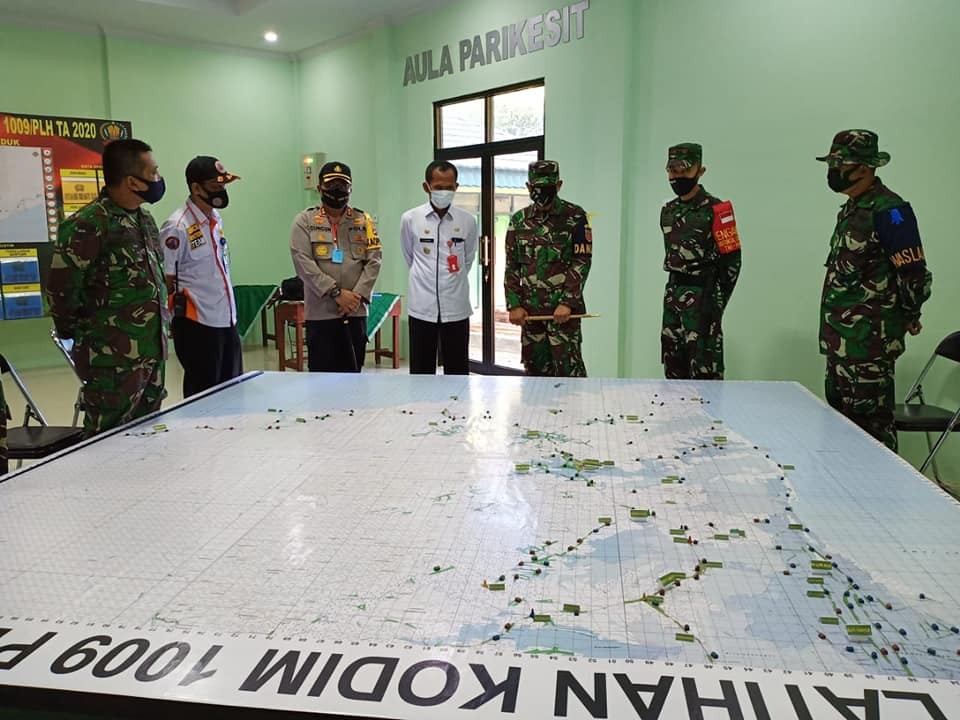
point(491, 139)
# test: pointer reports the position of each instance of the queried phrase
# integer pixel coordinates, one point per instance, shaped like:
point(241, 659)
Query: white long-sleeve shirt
point(440, 253)
point(195, 249)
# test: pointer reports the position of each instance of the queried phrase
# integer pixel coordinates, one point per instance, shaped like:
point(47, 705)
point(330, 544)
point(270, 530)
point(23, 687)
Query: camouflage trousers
point(551, 350)
point(864, 392)
point(4, 414)
point(691, 346)
point(113, 396)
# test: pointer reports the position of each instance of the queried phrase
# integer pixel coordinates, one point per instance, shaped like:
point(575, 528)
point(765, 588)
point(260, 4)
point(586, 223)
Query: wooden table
point(283, 313)
point(293, 313)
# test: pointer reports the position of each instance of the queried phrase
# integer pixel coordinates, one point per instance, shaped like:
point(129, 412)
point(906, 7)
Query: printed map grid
point(380, 517)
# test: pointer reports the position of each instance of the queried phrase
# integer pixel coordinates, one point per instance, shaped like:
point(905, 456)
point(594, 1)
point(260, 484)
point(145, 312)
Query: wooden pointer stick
point(544, 318)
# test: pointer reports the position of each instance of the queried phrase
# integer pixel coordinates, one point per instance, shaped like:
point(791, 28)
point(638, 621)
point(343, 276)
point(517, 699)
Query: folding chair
point(925, 418)
point(32, 442)
point(66, 349)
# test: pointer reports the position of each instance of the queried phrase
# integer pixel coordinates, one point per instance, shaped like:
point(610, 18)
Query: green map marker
point(301, 420)
point(737, 533)
point(680, 540)
point(533, 434)
point(671, 578)
point(715, 565)
point(859, 630)
point(830, 620)
point(160, 428)
point(639, 513)
point(796, 526)
point(789, 467)
point(521, 467)
point(569, 608)
point(542, 618)
point(685, 637)
point(821, 565)
point(816, 594)
point(678, 531)
point(604, 520)
point(815, 581)
point(721, 537)
point(667, 481)
point(632, 418)
point(720, 438)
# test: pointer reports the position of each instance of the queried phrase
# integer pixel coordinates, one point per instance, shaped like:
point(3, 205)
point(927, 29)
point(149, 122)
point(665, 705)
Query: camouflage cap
point(858, 147)
point(684, 156)
point(544, 172)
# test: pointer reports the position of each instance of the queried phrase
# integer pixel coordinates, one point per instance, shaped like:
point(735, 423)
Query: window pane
point(462, 124)
point(468, 198)
point(510, 195)
point(518, 114)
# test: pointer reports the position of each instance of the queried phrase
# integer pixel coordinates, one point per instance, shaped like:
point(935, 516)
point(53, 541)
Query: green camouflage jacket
point(548, 258)
point(691, 247)
point(106, 286)
point(876, 279)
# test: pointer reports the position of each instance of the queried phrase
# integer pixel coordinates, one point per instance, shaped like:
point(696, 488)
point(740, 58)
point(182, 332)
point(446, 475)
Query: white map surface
point(390, 508)
point(23, 215)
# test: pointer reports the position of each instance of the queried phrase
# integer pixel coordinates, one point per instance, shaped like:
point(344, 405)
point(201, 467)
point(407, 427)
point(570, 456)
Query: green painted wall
point(762, 85)
point(184, 102)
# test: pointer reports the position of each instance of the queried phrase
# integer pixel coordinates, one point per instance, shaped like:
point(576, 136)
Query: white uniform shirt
point(194, 248)
point(440, 253)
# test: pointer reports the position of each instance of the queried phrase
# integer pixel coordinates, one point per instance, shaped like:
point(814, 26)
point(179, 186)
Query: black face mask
point(839, 180)
point(217, 199)
point(683, 185)
point(335, 198)
point(543, 195)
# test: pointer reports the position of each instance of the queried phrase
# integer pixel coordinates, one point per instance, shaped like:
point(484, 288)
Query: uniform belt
point(678, 278)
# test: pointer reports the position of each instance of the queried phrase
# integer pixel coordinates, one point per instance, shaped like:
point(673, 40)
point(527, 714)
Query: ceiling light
point(270, 36)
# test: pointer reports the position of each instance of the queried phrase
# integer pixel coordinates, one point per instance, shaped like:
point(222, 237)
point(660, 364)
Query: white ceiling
point(301, 24)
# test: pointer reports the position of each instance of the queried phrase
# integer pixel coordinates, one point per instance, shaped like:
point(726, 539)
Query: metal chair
point(921, 417)
point(66, 349)
point(32, 442)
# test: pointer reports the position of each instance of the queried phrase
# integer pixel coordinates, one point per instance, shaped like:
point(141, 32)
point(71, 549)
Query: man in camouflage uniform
point(702, 257)
point(549, 248)
point(106, 290)
point(876, 282)
point(4, 414)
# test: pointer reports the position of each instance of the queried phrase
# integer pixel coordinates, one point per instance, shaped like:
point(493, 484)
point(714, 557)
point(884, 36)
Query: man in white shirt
point(197, 265)
point(440, 246)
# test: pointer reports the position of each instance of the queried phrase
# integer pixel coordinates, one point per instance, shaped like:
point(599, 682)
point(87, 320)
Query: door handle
point(485, 257)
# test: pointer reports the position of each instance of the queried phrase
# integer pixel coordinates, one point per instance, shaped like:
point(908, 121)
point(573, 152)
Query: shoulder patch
point(172, 242)
point(899, 235)
point(725, 228)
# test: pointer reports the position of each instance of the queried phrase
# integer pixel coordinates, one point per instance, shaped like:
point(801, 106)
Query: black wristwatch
point(335, 293)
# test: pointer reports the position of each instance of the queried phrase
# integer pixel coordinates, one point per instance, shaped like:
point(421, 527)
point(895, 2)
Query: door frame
point(487, 152)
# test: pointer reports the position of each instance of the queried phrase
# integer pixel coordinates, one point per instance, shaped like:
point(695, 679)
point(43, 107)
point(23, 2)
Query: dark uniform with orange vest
point(196, 261)
point(702, 257)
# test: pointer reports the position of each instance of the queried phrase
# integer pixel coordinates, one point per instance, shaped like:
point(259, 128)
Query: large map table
point(395, 546)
